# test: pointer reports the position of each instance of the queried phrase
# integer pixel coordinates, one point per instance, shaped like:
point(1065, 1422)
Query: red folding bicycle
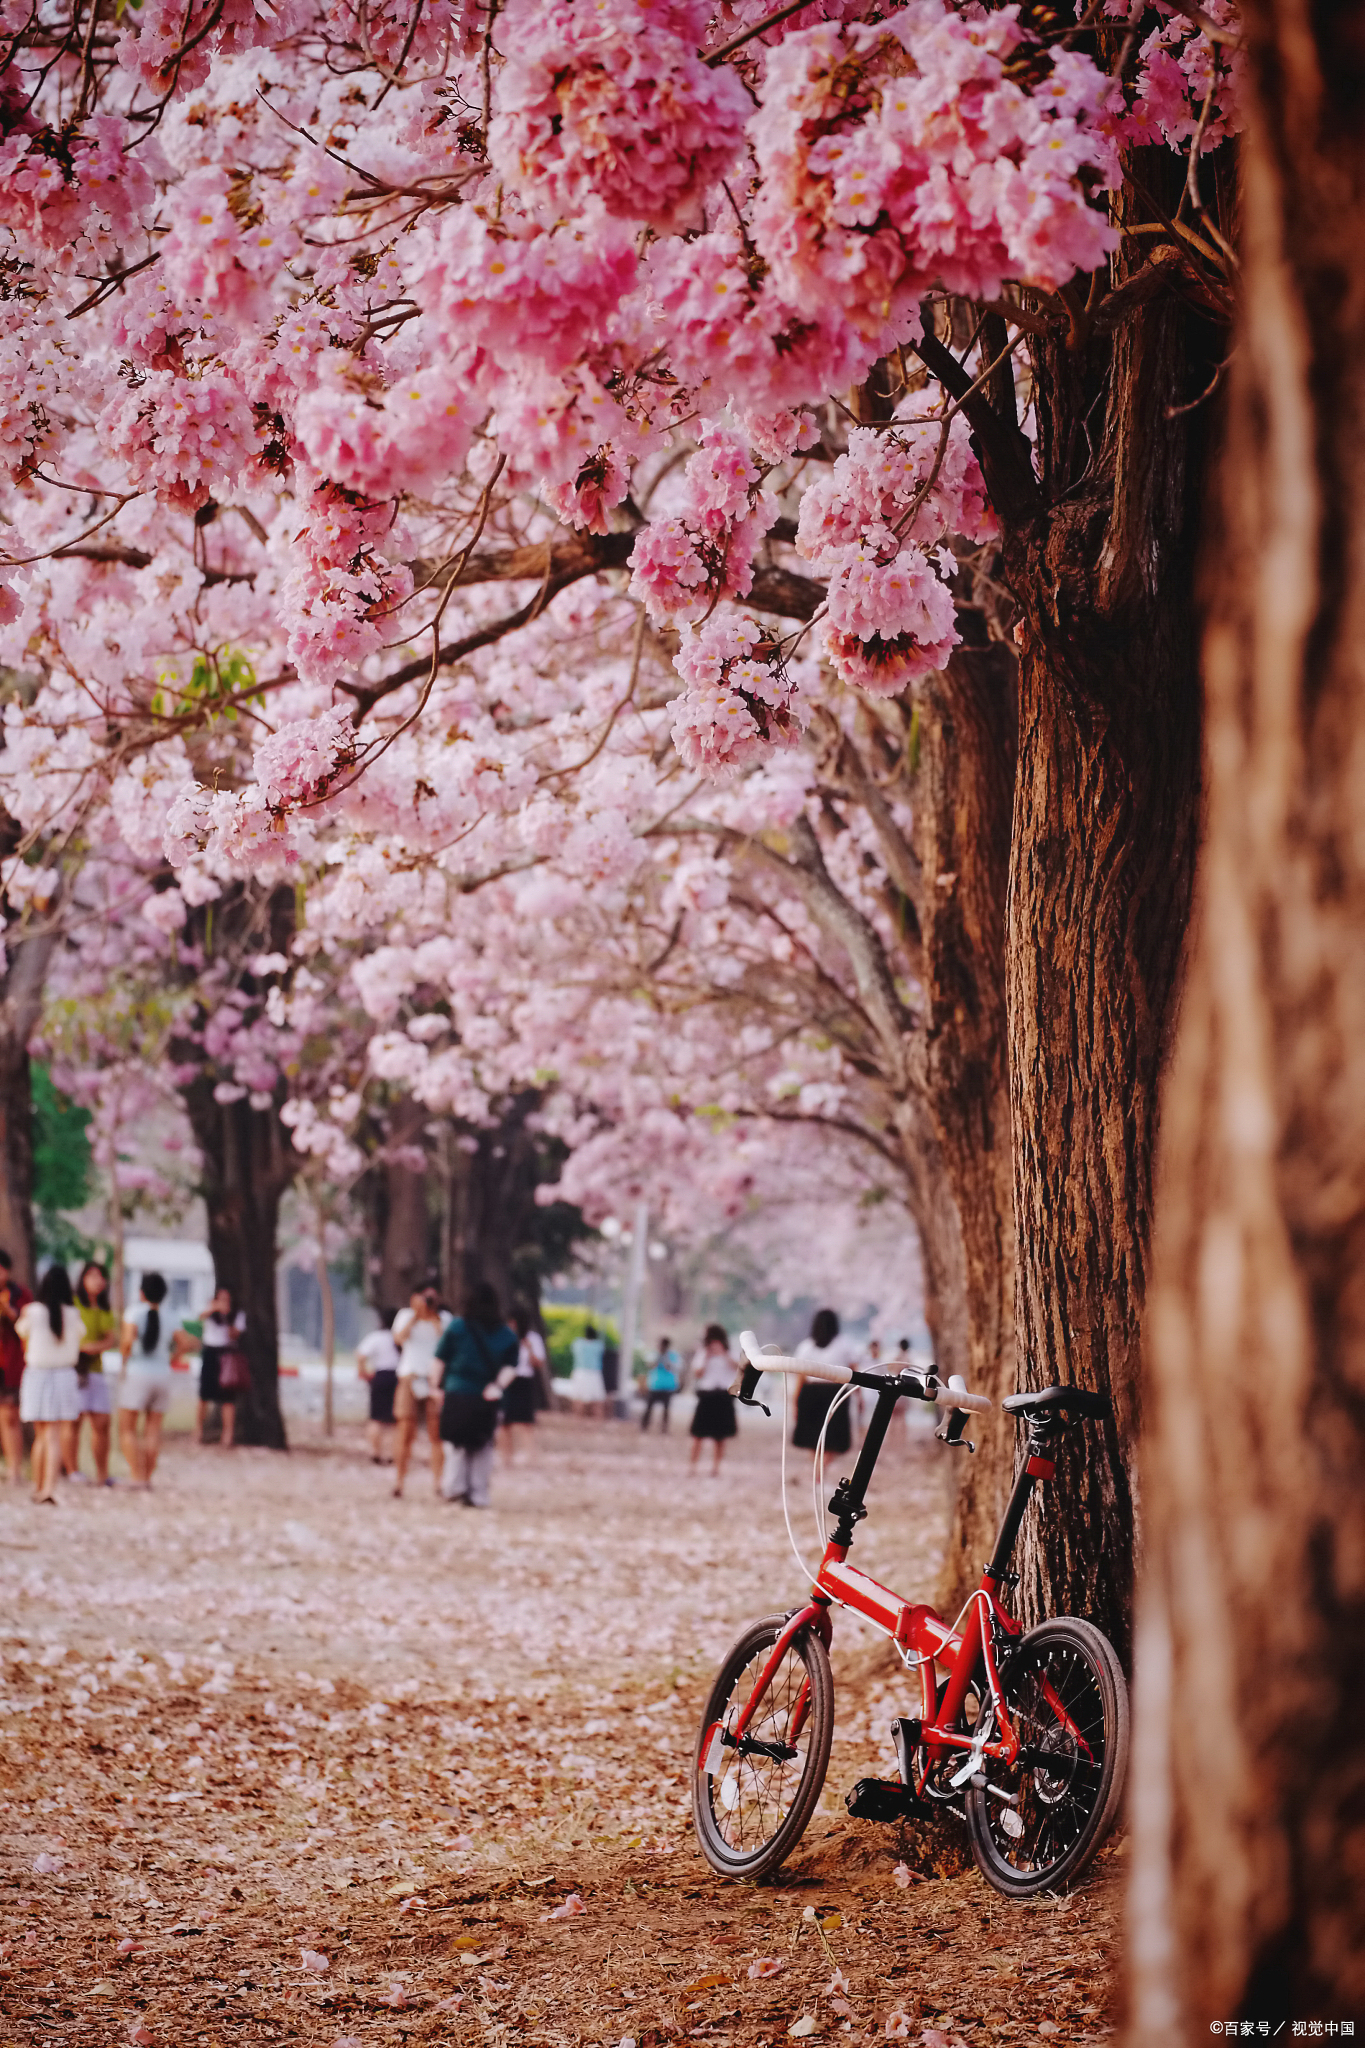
point(1023, 1735)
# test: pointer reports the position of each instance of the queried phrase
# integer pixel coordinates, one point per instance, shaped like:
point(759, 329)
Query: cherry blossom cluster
point(874, 525)
point(896, 156)
point(702, 552)
point(613, 103)
point(1187, 84)
point(741, 699)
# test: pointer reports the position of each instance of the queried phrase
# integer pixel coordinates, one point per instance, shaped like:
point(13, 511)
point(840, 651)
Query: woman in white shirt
point(50, 1330)
point(376, 1360)
point(713, 1371)
point(417, 1331)
point(144, 1390)
point(814, 1398)
point(220, 1337)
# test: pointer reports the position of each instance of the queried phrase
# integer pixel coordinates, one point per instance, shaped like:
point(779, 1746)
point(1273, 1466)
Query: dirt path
point(268, 1710)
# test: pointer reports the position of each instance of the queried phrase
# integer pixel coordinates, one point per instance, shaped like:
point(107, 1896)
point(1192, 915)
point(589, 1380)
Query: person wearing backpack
point(478, 1359)
point(662, 1382)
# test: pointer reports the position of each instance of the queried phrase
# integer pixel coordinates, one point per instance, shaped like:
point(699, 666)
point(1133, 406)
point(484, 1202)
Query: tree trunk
point(21, 1003)
point(495, 1230)
point(962, 797)
point(248, 1162)
point(1249, 1853)
point(1105, 822)
point(400, 1220)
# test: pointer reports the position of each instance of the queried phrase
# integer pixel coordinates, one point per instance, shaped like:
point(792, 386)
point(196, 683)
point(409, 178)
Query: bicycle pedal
point(879, 1799)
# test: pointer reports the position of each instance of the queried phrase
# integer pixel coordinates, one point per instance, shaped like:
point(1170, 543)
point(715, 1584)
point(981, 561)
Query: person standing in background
point(611, 1375)
point(99, 1333)
point(376, 1358)
point(14, 1298)
point(479, 1355)
point(221, 1334)
point(525, 1389)
point(713, 1370)
point(50, 1394)
point(587, 1389)
point(416, 1332)
point(815, 1397)
point(662, 1381)
point(145, 1387)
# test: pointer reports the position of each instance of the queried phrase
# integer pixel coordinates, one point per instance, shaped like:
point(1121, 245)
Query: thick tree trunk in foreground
point(21, 1003)
point(248, 1164)
point(1098, 548)
point(962, 797)
point(1249, 1802)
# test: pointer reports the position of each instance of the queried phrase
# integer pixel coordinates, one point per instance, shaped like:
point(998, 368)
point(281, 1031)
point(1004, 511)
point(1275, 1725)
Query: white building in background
point(185, 1266)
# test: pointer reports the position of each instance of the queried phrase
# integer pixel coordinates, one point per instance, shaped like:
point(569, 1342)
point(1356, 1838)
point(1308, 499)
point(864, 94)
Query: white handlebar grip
point(955, 1395)
point(773, 1361)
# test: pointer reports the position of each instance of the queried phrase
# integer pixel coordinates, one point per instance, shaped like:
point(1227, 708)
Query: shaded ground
point(269, 1713)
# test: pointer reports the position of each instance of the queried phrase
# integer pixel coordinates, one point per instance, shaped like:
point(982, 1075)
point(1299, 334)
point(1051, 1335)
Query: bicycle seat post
point(848, 1501)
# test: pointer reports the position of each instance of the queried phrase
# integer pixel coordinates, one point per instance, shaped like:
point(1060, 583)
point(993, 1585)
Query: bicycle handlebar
point(918, 1386)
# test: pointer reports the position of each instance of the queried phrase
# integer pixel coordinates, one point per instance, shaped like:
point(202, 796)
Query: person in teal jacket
point(478, 1357)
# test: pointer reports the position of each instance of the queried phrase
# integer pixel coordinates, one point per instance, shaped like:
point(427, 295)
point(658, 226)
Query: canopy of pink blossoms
point(407, 408)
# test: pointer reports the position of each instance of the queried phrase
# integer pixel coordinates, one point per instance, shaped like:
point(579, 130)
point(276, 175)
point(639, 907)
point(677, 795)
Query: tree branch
point(1001, 448)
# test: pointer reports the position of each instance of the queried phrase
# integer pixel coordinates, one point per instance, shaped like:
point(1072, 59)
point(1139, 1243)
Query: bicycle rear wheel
point(752, 1796)
point(1036, 1826)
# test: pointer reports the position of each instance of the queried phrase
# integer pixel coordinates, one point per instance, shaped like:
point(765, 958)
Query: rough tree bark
point(248, 1157)
point(21, 1002)
point(1249, 1813)
point(493, 1228)
point(1098, 544)
point(248, 1162)
point(962, 797)
point(398, 1214)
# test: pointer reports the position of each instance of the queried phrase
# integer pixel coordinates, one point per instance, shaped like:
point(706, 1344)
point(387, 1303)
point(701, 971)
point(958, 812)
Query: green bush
point(562, 1325)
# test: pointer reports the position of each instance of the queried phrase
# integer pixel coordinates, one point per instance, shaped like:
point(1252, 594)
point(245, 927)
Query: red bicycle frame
point(921, 1636)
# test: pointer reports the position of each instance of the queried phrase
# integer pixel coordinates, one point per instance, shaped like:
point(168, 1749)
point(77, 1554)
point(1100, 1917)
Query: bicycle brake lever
point(950, 1432)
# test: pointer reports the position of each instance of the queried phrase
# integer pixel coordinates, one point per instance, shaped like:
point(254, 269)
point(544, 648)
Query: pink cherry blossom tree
point(334, 326)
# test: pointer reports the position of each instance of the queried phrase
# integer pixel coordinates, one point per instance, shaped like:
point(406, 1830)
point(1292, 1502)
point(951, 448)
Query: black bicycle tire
point(759, 1636)
point(995, 1867)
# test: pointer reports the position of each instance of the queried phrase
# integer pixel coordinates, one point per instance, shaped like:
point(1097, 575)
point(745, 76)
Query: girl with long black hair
point(50, 1393)
point(50, 1389)
point(145, 1388)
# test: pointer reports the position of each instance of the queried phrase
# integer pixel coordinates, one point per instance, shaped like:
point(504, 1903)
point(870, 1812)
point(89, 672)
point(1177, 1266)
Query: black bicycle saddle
point(1073, 1400)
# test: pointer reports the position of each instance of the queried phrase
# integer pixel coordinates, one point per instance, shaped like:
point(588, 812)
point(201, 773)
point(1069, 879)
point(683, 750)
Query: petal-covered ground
point(283, 1759)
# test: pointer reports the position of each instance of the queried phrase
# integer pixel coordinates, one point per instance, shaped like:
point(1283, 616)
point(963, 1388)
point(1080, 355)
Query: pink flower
point(683, 564)
point(605, 100)
point(740, 701)
point(296, 764)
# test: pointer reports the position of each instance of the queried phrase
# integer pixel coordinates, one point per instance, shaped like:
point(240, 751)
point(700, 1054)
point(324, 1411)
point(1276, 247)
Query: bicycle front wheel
point(1036, 1826)
point(753, 1794)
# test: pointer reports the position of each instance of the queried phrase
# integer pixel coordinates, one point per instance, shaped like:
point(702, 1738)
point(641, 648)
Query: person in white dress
point(417, 1405)
point(587, 1389)
point(50, 1330)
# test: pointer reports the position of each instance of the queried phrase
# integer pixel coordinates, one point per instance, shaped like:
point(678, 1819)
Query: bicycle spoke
point(753, 1791)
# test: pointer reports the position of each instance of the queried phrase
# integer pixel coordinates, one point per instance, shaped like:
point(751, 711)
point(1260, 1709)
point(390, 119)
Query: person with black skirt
point(713, 1371)
point(524, 1394)
point(814, 1398)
